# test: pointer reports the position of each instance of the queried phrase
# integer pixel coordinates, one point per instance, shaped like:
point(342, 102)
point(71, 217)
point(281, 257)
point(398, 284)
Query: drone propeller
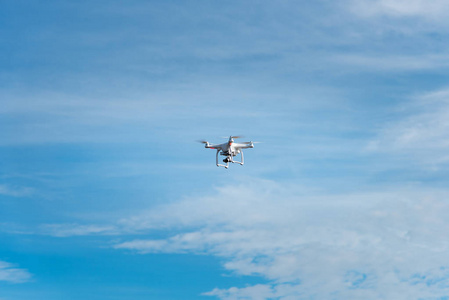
point(233, 137)
point(202, 141)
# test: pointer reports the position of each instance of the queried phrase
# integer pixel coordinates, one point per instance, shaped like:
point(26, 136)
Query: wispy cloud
point(14, 191)
point(258, 291)
point(62, 229)
point(403, 8)
point(12, 274)
point(420, 131)
point(66, 230)
point(395, 63)
point(370, 245)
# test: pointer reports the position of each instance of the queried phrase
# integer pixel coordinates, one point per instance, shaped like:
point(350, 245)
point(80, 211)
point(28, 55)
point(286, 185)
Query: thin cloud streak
point(433, 9)
point(67, 230)
point(422, 131)
point(63, 230)
point(395, 63)
point(12, 274)
point(14, 191)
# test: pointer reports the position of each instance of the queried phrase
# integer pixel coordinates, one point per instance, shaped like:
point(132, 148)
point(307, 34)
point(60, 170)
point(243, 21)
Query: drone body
point(229, 149)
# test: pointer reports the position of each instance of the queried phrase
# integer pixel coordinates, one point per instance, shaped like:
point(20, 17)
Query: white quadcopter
point(229, 149)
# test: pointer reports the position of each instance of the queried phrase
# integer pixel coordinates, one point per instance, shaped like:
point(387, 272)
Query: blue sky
point(104, 193)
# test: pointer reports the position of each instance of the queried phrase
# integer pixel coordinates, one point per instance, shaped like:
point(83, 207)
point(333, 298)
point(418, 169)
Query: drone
point(229, 149)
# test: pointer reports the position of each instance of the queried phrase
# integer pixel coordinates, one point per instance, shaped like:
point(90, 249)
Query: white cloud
point(374, 245)
point(9, 273)
point(422, 131)
point(403, 8)
point(259, 291)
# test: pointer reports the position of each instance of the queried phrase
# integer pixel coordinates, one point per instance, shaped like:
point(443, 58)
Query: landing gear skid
point(228, 159)
point(220, 165)
point(238, 162)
